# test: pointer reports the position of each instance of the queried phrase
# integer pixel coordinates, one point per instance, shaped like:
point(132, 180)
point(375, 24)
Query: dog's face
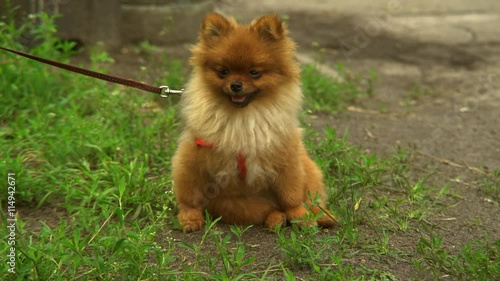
point(244, 63)
point(241, 84)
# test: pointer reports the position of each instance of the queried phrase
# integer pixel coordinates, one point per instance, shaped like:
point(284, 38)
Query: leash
point(163, 91)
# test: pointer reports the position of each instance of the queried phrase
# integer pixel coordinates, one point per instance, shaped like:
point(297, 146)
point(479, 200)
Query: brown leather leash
point(163, 91)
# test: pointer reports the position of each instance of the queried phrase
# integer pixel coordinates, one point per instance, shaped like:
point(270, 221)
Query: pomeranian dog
point(240, 155)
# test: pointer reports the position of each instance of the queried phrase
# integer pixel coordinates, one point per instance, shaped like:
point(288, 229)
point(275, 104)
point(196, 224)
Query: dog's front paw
point(275, 219)
point(300, 216)
point(191, 219)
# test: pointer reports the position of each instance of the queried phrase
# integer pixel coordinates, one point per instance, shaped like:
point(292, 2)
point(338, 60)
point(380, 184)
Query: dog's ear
point(214, 26)
point(269, 27)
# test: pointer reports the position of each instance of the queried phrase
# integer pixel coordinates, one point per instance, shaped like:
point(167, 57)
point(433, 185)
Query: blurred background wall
point(118, 22)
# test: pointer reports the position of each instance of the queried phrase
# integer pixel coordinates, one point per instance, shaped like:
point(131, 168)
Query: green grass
point(327, 94)
point(490, 186)
point(478, 260)
point(94, 193)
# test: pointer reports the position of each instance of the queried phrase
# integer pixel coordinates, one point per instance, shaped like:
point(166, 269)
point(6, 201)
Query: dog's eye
point(223, 73)
point(255, 74)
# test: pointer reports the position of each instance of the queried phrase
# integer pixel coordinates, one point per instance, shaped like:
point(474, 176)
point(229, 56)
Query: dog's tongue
point(238, 99)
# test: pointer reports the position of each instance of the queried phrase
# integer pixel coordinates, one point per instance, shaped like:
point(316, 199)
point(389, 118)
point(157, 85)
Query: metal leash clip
point(166, 91)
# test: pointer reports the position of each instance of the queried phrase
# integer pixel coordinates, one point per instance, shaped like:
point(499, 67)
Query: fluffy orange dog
point(240, 155)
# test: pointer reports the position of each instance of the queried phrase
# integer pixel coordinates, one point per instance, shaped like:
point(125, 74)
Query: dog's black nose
point(236, 86)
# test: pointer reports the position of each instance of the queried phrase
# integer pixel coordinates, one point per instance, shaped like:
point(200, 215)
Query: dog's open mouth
point(242, 100)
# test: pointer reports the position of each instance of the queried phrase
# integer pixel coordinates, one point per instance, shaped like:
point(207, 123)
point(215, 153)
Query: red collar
point(242, 166)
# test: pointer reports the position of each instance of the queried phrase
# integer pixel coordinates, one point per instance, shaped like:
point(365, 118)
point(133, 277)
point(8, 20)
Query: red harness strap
point(202, 143)
point(242, 166)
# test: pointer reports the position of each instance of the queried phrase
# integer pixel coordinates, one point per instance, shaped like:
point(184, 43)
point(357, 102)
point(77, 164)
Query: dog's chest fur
point(257, 132)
